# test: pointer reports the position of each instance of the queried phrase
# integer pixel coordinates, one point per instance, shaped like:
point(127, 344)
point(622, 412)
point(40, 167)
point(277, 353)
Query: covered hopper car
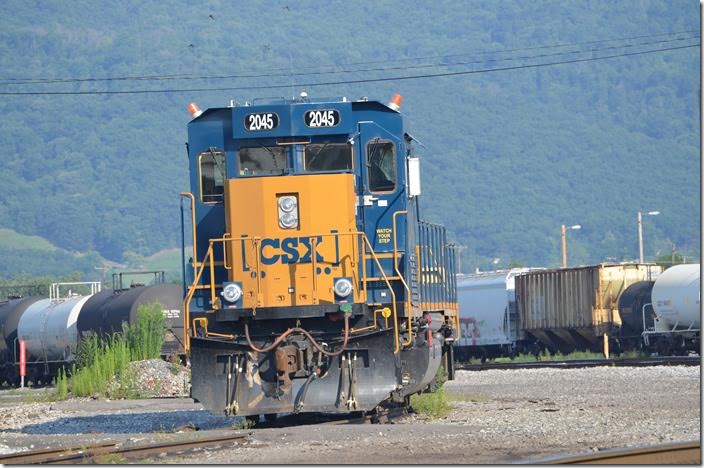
point(636, 306)
point(488, 314)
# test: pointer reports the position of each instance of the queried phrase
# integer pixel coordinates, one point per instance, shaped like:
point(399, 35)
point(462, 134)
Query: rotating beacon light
point(194, 110)
point(395, 102)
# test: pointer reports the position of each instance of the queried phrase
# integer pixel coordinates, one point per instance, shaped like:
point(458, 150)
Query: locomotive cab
point(314, 285)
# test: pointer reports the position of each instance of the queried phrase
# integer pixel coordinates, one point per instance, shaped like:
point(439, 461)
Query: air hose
point(304, 332)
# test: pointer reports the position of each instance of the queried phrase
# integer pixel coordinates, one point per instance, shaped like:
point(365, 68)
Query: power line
point(342, 82)
point(410, 67)
point(266, 72)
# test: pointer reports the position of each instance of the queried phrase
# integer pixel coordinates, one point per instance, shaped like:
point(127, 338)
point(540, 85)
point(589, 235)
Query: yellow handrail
point(385, 312)
point(314, 253)
point(405, 285)
point(204, 322)
point(193, 226)
point(213, 298)
point(187, 306)
point(391, 290)
point(209, 262)
point(224, 252)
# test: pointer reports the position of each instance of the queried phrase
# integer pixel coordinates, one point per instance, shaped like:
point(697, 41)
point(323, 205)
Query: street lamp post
point(564, 242)
point(640, 231)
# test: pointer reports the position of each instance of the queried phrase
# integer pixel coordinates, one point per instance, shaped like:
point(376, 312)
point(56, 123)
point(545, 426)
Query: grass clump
point(61, 385)
point(573, 356)
point(243, 423)
point(435, 404)
point(146, 337)
point(102, 363)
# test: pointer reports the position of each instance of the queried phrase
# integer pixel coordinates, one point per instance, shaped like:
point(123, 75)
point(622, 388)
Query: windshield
point(328, 157)
point(263, 160)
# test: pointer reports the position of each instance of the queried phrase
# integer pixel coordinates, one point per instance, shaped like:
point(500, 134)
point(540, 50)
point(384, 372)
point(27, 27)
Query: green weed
point(243, 423)
point(573, 356)
point(103, 363)
point(435, 404)
point(61, 385)
point(146, 338)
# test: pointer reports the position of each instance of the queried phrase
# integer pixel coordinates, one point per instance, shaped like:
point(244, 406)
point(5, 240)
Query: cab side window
point(381, 166)
point(212, 175)
point(328, 157)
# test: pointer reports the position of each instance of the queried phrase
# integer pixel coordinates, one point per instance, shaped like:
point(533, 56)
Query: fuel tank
point(49, 328)
point(676, 296)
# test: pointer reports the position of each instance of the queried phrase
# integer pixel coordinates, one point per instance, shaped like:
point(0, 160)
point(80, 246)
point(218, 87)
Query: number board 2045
point(261, 121)
point(322, 118)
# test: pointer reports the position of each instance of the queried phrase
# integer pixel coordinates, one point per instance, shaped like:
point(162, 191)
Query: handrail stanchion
point(193, 227)
point(257, 252)
point(314, 253)
point(405, 285)
point(391, 290)
point(187, 305)
point(211, 261)
point(226, 238)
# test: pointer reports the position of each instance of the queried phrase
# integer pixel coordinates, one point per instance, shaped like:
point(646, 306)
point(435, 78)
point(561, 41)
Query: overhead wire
point(355, 81)
point(406, 67)
point(268, 72)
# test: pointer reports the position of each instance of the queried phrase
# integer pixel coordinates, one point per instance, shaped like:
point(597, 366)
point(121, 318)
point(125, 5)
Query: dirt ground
point(498, 416)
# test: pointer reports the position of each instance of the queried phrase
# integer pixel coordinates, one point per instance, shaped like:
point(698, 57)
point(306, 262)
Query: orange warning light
point(194, 110)
point(395, 102)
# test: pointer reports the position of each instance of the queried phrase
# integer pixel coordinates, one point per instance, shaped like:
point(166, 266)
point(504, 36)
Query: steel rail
point(39, 456)
point(583, 363)
point(85, 454)
point(677, 453)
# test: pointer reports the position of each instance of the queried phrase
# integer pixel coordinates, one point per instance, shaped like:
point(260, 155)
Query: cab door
point(380, 194)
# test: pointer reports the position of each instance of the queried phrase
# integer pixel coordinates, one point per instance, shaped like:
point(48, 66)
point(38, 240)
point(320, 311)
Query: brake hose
point(304, 332)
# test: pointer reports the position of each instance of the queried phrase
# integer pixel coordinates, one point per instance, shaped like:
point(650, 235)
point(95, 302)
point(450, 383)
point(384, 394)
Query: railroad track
point(679, 453)
point(384, 416)
point(577, 364)
point(74, 455)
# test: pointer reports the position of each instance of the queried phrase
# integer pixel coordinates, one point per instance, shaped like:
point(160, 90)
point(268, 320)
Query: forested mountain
point(511, 150)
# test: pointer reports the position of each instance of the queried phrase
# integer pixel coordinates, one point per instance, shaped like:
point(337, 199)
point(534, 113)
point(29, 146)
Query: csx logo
point(287, 250)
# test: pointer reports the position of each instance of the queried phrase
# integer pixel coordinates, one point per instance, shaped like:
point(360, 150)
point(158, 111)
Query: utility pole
point(458, 254)
point(103, 269)
point(564, 247)
point(640, 236)
point(640, 231)
point(564, 242)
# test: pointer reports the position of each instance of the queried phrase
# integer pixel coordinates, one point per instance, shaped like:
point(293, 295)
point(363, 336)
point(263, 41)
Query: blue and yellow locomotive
point(315, 286)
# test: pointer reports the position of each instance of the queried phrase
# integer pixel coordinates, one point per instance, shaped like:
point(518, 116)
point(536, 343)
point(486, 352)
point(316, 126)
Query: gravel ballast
point(497, 416)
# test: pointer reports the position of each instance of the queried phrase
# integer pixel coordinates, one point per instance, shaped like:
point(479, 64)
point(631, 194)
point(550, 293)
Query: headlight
point(287, 203)
point(231, 292)
point(288, 211)
point(288, 220)
point(343, 287)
